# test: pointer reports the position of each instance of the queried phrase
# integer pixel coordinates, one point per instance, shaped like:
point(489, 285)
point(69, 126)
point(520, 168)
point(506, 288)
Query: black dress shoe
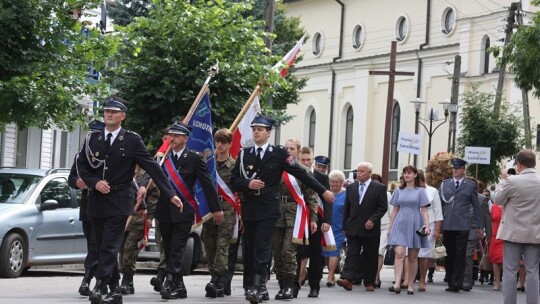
point(313, 293)
point(84, 289)
point(113, 297)
point(211, 290)
point(466, 288)
point(452, 289)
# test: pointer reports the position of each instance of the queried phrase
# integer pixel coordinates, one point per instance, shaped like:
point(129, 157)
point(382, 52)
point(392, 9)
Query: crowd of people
point(284, 205)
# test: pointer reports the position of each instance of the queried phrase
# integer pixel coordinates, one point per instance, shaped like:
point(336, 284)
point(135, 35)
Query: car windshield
point(15, 188)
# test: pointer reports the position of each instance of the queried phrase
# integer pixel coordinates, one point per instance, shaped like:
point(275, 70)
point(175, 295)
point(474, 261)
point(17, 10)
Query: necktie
point(259, 153)
point(361, 192)
point(108, 141)
point(457, 184)
point(176, 157)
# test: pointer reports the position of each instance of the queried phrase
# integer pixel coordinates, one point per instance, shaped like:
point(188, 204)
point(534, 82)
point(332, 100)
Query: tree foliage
point(122, 12)
point(45, 56)
point(165, 56)
point(480, 128)
point(523, 54)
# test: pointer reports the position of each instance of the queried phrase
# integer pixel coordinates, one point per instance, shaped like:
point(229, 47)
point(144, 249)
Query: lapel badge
point(121, 137)
point(250, 167)
point(97, 154)
point(185, 155)
point(99, 138)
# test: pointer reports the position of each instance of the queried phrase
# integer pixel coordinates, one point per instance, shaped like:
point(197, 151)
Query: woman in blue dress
point(410, 213)
point(336, 178)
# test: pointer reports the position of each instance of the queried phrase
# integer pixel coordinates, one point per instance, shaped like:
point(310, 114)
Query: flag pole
point(254, 94)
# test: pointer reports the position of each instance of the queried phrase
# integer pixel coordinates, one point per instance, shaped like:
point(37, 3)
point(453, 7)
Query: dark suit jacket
point(192, 168)
point(276, 159)
point(127, 150)
point(374, 206)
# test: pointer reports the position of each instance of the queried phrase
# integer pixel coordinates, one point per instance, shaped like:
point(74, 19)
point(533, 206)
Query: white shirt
point(263, 149)
point(114, 134)
point(435, 209)
point(178, 154)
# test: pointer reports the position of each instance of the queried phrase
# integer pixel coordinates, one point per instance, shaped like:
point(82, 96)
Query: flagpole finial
point(214, 69)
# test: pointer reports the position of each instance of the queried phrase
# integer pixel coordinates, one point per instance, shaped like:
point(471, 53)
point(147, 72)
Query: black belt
point(120, 187)
point(262, 191)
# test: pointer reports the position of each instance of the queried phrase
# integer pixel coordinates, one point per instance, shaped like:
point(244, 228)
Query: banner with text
point(410, 143)
point(478, 155)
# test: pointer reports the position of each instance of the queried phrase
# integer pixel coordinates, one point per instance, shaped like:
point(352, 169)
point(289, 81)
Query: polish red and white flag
point(284, 64)
point(242, 135)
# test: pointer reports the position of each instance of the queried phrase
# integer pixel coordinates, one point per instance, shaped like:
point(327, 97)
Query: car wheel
point(12, 256)
point(188, 257)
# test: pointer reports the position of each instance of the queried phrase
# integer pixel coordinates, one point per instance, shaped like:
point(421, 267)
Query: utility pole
point(510, 21)
point(525, 93)
point(389, 102)
point(454, 104)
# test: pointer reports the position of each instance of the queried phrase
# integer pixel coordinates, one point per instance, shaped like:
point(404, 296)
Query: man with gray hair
point(520, 226)
point(365, 204)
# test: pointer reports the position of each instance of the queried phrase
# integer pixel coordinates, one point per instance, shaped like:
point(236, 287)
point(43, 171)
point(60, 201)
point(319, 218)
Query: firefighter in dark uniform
point(75, 182)
point(458, 194)
point(175, 226)
point(107, 166)
point(257, 174)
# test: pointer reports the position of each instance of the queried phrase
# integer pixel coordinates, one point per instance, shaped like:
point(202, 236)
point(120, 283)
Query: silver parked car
point(39, 220)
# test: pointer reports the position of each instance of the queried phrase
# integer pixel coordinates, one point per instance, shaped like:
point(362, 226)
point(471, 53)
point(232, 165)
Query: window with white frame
point(402, 28)
point(317, 44)
point(358, 36)
point(349, 122)
point(448, 21)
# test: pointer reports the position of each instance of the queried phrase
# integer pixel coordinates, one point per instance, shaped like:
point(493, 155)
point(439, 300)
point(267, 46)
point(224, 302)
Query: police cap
point(458, 163)
point(115, 104)
point(322, 160)
point(180, 128)
point(262, 121)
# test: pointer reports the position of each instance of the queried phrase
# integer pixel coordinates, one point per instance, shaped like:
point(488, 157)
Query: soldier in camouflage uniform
point(217, 238)
point(284, 244)
point(134, 233)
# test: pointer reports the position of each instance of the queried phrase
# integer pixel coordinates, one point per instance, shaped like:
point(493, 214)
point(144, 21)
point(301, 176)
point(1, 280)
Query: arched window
point(396, 117)
point(348, 139)
point(312, 124)
point(484, 61)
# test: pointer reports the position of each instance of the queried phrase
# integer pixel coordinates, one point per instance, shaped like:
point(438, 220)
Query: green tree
point(45, 56)
point(523, 54)
point(165, 56)
point(480, 128)
point(122, 12)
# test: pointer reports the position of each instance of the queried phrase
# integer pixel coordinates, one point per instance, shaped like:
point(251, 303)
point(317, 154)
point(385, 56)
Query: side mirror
point(49, 205)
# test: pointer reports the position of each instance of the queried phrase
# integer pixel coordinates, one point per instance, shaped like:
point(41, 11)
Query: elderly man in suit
point(366, 203)
point(458, 194)
point(520, 226)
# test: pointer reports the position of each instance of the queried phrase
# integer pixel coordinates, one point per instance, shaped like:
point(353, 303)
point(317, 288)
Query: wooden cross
point(388, 125)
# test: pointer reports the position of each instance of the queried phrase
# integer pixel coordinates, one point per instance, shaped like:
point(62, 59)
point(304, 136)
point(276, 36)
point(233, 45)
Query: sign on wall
point(478, 155)
point(410, 143)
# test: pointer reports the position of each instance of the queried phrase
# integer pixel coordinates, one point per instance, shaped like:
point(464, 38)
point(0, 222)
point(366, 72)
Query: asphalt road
point(60, 285)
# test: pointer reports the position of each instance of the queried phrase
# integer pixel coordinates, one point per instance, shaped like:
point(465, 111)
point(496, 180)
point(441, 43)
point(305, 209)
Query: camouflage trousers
point(284, 253)
point(217, 239)
point(130, 245)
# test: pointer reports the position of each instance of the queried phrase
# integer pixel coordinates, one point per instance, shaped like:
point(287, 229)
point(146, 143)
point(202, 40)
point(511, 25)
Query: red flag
point(284, 64)
point(242, 135)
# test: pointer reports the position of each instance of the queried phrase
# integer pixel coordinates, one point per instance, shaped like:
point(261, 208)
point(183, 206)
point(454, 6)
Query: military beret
point(458, 163)
point(262, 121)
point(180, 128)
point(322, 160)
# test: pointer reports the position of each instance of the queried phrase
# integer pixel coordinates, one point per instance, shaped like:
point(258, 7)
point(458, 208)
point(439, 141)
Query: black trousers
point(455, 242)
point(108, 233)
point(369, 246)
point(315, 261)
point(91, 260)
point(175, 237)
point(258, 240)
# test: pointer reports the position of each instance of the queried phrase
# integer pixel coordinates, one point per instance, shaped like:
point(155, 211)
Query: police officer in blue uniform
point(175, 226)
point(75, 182)
point(257, 174)
point(107, 166)
point(458, 194)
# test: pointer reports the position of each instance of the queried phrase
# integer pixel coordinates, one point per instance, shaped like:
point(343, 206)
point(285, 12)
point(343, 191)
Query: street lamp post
point(430, 131)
